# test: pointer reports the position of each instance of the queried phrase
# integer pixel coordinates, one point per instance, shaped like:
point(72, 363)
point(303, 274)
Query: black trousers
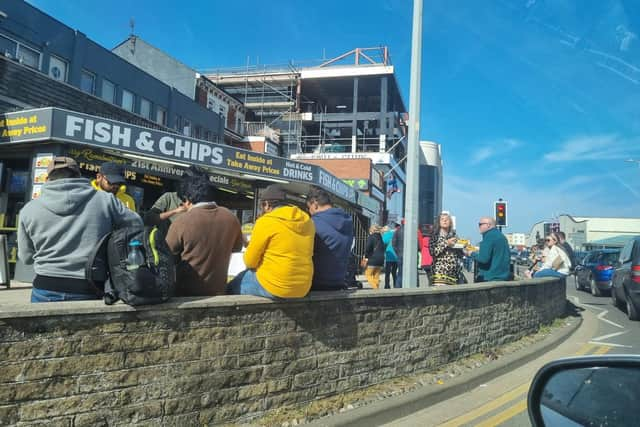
point(390, 268)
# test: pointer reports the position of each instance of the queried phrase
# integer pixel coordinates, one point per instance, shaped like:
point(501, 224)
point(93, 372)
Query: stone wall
point(212, 360)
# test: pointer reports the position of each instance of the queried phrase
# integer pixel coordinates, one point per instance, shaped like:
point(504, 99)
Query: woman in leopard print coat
point(446, 266)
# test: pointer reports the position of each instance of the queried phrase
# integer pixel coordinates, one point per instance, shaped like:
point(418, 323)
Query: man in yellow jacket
point(279, 256)
point(111, 179)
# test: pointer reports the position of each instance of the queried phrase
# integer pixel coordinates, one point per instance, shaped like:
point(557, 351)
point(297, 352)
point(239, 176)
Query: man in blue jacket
point(494, 257)
point(334, 234)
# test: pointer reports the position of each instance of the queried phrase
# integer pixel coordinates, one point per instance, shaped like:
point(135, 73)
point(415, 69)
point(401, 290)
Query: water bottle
point(135, 258)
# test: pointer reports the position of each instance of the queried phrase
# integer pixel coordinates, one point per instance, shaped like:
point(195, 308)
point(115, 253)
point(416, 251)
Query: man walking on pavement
point(494, 256)
point(397, 242)
point(58, 230)
point(111, 179)
point(332, 245)
point(390, 257)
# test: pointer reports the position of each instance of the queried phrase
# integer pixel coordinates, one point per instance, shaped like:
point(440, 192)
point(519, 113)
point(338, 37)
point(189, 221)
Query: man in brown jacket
point(204, 237)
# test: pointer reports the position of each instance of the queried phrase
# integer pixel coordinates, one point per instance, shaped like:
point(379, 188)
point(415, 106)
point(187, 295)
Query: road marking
point(488, 407)
point(516, 393)
point(610, 344)
point(601, 315)
point(586, 348)
point(602, 350)
point(505, 415)
point(604, 337)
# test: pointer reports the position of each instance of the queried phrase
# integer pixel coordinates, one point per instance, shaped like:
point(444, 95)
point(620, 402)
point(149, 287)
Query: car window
point(635, 254)
point(608, 258)
point(625, 255)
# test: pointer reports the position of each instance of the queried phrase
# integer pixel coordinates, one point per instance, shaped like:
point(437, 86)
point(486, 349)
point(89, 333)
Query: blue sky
point(533, 101)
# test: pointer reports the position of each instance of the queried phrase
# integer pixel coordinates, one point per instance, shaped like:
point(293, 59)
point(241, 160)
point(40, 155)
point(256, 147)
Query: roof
point(619, 240)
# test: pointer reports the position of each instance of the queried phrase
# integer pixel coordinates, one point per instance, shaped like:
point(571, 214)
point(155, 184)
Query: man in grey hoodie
point(58, 230)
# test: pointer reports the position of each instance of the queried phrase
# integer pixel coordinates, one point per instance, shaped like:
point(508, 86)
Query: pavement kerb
point(392, 408)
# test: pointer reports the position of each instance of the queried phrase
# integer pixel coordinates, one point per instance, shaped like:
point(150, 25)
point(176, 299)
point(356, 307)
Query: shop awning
point(55, 124)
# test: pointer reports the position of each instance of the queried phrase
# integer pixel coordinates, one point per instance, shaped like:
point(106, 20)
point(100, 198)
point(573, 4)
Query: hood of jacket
point(335, 218)
point(65, 196)
point(291, 217)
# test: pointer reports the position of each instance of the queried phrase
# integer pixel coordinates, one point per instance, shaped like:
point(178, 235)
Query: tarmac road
point(502, 401)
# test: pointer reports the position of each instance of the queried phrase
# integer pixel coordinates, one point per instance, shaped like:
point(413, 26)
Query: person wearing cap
point(58, 230)
point(279, 256)
point(111, 179)
point(332, 247)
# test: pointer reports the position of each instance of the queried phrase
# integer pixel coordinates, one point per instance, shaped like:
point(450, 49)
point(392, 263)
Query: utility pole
point(410, 244)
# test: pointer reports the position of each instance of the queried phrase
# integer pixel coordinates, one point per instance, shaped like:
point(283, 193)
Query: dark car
point(595, 271)
point(625, 289)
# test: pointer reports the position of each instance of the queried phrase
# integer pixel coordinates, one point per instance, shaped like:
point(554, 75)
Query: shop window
point(88, 82)
point(127, 100)
point(28, 57)
point(8, 47)
point(198, 132)
point(161, 116)
point(58, 69)
point(108, 91)
point(145, 108)
point(207, 135)
point(186, 127)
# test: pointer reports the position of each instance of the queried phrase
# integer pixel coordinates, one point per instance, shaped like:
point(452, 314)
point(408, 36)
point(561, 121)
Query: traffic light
point(501, 214)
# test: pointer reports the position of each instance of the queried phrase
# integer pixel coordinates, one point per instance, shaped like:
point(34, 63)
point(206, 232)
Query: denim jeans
point(42, 295)
point(548, 272)
point(246, 283)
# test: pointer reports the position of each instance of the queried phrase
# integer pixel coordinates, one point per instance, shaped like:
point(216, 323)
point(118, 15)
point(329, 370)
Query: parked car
point(625, 289)
point(595, 271)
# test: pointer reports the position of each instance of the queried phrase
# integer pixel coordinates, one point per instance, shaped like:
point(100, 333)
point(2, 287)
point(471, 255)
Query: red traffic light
point(501, 214)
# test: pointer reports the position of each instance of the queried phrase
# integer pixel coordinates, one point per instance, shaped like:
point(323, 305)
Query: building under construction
point(345, 114)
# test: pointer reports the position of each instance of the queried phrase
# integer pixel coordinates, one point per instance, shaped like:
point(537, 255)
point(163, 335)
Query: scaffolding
point(269, 92)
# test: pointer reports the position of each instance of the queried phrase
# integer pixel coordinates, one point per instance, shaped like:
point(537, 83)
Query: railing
point(261, 129)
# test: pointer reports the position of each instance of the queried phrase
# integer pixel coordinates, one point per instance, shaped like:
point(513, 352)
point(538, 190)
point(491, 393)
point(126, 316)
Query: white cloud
point(496, 148)
point(587, 148)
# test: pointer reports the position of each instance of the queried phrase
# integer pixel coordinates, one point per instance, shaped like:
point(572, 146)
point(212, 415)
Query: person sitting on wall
point(111, 179)
point(170, 206)
point(494, 257)
point(279, 255)
point(334, 234)
point(556, 262)
point(58, 230)
point(204, 238)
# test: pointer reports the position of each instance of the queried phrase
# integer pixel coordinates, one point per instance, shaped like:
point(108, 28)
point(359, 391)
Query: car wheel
point(632, 311)
point(614, 299)
point(595, 291)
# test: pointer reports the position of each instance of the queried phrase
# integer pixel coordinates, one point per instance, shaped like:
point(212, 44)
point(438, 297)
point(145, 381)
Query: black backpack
point(151, 283)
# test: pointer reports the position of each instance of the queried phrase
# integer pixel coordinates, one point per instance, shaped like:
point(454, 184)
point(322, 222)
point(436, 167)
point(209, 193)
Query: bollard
point(4, 262)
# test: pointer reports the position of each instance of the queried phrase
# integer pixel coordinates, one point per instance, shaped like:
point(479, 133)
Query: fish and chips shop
point(153, 161)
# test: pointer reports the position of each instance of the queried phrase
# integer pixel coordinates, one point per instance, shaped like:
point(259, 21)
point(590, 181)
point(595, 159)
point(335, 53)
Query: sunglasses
point(480, 224)
point(549, 240)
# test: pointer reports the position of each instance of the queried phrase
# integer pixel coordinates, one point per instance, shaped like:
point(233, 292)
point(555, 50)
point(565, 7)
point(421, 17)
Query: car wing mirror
point(586, 391)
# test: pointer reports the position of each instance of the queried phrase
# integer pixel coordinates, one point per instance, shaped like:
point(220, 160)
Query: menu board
point(39, 177)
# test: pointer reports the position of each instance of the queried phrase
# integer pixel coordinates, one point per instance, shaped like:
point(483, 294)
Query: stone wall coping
point(25, 310)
